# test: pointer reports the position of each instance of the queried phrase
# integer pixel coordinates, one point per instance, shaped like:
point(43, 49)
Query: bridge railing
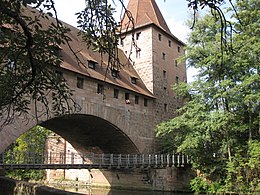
point(54, 160)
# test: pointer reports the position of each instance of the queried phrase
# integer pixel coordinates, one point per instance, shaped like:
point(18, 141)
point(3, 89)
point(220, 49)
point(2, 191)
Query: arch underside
point(86, 131)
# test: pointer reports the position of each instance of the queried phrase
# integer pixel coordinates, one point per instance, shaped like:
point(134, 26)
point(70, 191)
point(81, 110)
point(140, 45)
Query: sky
point(175, 13)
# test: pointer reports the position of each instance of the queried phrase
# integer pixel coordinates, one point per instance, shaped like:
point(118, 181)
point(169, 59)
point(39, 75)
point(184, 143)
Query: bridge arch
point(129, 128)
point(87, 131)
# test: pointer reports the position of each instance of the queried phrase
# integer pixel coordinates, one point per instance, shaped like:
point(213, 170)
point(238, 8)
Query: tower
point(156, 54)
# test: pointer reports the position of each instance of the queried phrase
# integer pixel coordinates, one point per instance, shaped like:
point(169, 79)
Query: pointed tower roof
point(145, 12)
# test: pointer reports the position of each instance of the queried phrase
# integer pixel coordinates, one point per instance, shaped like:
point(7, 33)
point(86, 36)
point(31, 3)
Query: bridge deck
point(90, 161)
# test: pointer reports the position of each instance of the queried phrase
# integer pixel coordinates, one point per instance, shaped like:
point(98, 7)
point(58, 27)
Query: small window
point(163, 56)
point(100, 89)
point(122, 42)
point(137, 36)
point(165, 90)
point(164, 74)
point(179, 49)
point(170, 43)
point(92, 64)
point(57, 51)
point(176, 63)
point(59, 75)
point(114, 73)
point(177, 80)
point(165, 108)
point(145, 102)
point(136, 99)
point(80, 82)
point(133, 80)
point(127, 98)
point(116, 93)
point(138, 53)
point(159, 37)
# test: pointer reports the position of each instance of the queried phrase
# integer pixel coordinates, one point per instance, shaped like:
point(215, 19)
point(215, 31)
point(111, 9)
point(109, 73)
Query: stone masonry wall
point(135, 120)
point(156, 63)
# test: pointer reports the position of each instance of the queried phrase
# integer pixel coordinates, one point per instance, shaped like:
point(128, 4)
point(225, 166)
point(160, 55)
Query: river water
point(102, 191)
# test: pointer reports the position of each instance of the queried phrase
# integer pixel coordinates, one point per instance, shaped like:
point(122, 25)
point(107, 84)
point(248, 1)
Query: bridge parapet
point(53, 160)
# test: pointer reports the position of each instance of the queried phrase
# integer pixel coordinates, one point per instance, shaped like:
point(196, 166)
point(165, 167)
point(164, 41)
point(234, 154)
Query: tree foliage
point(219, 124)
point(28, 57)
point(31, 141)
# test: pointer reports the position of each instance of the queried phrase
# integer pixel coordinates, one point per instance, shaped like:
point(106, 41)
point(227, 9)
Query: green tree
point(33, 141)
point(219, 124)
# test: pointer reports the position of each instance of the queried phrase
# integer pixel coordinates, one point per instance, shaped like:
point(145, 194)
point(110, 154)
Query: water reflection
point(102, 191)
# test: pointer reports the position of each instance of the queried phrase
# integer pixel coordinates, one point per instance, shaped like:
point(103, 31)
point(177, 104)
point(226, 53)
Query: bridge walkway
point(51, 160)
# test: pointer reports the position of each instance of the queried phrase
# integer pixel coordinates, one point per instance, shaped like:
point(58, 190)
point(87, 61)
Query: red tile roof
point(100, 73)
point(145, 12)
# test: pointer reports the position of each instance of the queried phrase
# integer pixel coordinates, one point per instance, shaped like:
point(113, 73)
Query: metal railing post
point(102, 160)
point(178, 160)
point(128, 161)
point(143, 161)
point(135, 160)
point(111, 160)
point(173, 160)
point(168, 160)
point(119, 161)
point(162, 160)
point(156, 161)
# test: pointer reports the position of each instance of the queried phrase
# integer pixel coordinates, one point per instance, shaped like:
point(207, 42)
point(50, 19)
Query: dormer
point(92, 64)
point(133, 79)
point(114, 73)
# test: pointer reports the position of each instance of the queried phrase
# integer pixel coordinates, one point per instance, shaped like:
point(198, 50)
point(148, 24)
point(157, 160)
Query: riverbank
point(12, 187)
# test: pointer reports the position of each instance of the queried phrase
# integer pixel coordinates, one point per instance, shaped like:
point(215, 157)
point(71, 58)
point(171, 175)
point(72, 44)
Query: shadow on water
point(102, 191)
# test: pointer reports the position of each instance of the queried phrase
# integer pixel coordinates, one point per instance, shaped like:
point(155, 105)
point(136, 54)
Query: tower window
point(179, 49)
point(145, 102)
point(176, 63)
point(100, 89)
point(165, 90)
point(136, 99)
point(127, 98)
point(137, 35)
point(159, 37)
point(170, 43)
point(164, 74)
point(122, 42)
point(165, 108)
point(163, 56)
point(116, 93)
point(80, 82)
point(177, 80)
point(138, 52)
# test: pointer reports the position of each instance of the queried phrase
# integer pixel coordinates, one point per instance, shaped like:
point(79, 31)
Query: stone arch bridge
point(111, 124)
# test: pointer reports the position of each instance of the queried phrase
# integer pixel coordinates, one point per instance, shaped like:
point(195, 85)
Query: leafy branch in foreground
point(28, 57)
